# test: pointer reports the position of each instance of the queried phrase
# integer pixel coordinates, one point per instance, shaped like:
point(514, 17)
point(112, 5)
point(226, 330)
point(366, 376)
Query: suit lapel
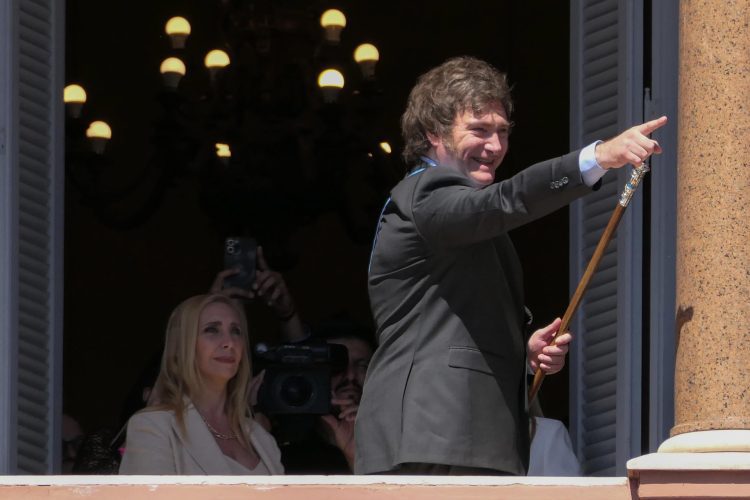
point(261, 448)
point(201, 446)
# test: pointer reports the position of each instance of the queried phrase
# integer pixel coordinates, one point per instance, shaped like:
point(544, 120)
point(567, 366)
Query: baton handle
point(627, 194)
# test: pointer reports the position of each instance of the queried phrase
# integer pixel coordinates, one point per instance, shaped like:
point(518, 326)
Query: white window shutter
point(606, 97)
point(31, 234)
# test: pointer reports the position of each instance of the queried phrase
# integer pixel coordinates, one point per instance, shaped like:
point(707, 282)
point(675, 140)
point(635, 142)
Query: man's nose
point(350, 373)
point(494, 144)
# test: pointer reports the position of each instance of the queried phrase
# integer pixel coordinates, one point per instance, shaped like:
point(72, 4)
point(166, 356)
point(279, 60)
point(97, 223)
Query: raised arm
point(632, 146)
point(271, 288)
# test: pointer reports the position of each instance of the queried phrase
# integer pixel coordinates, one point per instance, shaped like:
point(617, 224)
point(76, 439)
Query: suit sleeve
point(449, 213)
point(148, 449)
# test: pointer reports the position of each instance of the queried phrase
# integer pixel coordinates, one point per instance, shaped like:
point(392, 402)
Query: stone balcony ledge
point(310, 488)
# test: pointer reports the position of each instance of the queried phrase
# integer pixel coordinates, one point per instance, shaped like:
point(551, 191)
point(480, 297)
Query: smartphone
point(240, 252)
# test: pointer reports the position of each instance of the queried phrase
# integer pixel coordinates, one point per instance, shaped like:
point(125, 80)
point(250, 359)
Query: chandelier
point(276, 122)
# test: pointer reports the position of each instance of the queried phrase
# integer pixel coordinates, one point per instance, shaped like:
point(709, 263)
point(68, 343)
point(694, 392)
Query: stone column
point(712, 375)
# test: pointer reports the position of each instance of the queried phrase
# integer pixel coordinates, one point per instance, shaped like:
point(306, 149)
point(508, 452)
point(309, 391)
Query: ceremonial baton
point(627, 194)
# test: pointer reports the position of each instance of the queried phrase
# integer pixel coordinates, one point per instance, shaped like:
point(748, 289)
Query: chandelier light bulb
point(331, 78)
point(216, 59)
point(333, 21)
point(178, 29)
point(172, 65)
point(333, 17)
point(172, 71)
point(330, 81)
point(74, 93)
point(99, 133)
point(177, 26)
point(74, 97)
point(99, 129)
point(367, 56)
point(223, 151)
point(366, 52)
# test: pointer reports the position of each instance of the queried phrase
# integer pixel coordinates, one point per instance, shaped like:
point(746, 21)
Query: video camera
point(298, 377)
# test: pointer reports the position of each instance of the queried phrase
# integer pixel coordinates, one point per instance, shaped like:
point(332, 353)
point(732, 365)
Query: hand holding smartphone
point(240, 253)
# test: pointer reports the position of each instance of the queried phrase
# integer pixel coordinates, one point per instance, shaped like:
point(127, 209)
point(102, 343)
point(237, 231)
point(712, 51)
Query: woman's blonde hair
point(179, 377)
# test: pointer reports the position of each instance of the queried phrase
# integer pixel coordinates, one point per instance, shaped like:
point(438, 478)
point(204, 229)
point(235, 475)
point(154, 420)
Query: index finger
point(650, 126)
point(262, 264)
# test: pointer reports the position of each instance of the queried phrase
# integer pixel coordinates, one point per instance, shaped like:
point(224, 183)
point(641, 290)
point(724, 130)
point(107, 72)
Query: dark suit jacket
point(447, 383)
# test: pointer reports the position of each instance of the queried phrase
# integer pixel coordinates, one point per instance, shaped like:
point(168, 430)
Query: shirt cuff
point(591, 171)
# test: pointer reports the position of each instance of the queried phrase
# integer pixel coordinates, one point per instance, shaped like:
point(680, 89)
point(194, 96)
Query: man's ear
point(434, 139)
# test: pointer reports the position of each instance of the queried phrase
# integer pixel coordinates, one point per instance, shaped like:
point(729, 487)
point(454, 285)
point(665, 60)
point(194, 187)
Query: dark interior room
point(145, 221)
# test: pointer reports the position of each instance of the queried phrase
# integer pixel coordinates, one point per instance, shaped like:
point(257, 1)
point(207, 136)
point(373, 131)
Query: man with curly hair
point(446, 388)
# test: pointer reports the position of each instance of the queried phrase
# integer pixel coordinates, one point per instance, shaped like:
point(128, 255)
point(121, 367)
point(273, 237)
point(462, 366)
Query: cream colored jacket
point(156, 445)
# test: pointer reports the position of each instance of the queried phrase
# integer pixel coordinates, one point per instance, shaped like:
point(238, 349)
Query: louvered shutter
point(606, 97)
point(32, 238)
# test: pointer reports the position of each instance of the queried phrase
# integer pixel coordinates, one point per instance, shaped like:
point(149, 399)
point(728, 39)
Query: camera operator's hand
point(341, 427)
point(347, 408)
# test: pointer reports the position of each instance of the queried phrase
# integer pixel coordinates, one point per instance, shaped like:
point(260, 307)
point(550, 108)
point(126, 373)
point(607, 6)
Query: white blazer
point(156, 445)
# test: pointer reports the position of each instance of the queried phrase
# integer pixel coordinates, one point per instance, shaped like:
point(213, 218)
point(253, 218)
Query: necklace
point(217, 434)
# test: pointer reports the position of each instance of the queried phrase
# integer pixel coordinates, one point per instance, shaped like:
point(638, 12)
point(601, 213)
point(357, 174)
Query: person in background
point(72, 437)
point(328, 448)
point(201, 423)
point(327, 444)
point(101, 451)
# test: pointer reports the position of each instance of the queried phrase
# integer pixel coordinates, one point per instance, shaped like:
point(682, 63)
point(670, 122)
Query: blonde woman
point(202, 423)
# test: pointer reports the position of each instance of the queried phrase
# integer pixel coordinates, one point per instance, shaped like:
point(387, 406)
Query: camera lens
point(296, 391)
